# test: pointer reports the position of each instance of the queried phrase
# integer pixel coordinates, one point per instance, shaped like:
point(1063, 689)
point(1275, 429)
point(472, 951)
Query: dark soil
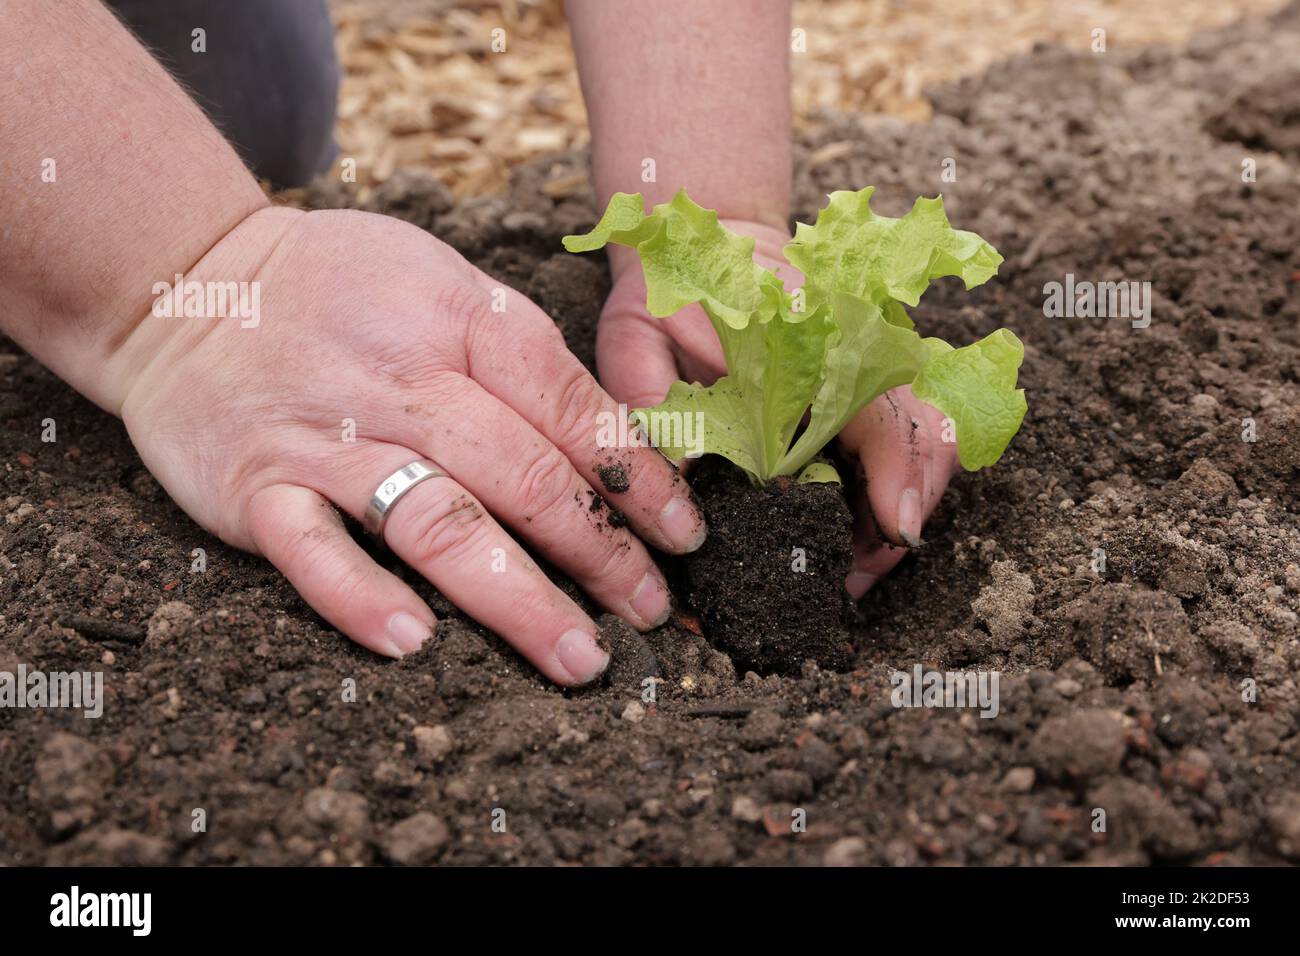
point(1131, 567)
point(769, 581)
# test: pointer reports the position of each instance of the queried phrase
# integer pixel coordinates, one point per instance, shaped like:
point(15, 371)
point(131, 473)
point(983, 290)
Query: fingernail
point(407, 633)
point(682, 525)
point(859, 583)
point(579, 654)
point(909, 517)
point(651, 601)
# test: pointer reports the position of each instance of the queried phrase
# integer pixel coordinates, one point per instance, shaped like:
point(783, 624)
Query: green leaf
point(688, 257)
point(773, 353)
point(851, 249)
point(751, 415)
point(866, 357)
point(693, 420)
point(851, 341)
point(622, 222)
point(819, 472)
point(777, 368)
point(975, 386)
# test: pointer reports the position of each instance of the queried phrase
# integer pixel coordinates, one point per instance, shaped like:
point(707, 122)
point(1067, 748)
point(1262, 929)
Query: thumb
point(635, 358)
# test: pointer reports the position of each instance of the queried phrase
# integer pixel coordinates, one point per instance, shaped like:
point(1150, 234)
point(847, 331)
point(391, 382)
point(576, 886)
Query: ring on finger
point(391, 490)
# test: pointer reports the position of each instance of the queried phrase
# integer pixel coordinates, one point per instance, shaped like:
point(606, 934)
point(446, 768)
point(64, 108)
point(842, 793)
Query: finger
point(873, 556)
point(530, 485)
point(520, 358)
point(905, 462)
point(634, 357)
point(694, 353)
point(301, 534)
point(445, 533)
point(699, 352)
point(638, 362)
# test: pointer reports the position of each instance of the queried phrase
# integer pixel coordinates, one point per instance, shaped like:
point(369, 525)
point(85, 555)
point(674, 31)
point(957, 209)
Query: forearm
point(700, 88)
point(114, 181)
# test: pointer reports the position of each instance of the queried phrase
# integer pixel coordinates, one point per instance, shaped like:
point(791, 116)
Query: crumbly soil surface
point(1156, 686)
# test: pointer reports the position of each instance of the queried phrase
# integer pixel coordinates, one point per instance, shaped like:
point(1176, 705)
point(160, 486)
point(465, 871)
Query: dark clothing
point(268, 79)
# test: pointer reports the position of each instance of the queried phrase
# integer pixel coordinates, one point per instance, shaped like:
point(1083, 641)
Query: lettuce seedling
point(826, 350)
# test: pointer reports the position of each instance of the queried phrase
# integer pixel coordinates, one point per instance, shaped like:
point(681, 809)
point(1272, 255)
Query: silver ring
point(392, 488)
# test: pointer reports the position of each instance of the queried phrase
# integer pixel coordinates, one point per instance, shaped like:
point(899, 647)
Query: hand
point(639, 356)
point(367, 318)
point(906, 465)
point(897, 438)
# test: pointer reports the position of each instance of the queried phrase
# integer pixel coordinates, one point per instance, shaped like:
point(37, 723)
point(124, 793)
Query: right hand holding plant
point(839, 356)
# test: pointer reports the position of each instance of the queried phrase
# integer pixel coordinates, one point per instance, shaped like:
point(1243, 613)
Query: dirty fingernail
point(859, 583)
point(651, 601)
point(682, 525)
point(579, 654)
point(909, 517)
point(407, 633)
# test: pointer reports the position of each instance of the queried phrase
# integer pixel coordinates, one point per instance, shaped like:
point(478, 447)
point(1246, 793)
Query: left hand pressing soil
point(370, 320)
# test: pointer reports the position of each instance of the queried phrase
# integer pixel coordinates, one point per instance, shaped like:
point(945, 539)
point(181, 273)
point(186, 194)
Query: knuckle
point(501, 321)
point(347, 591)
point(610, 562)
point(316, 551)
point(319, 557)
point(534, 612)
point(466, 308)
point(464, 300)
point(265, 520)
point(273, 515)
point(548, 333)
point(545, 481)
point(577, 401)
point(446, 529)
point(404, 368)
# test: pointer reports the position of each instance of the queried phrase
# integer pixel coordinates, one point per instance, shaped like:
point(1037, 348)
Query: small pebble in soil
point(847, 851)
point(416, 840)
point(746, 809)
point(1083, 745)
point(170, 621)
point(1283, 819)
point(347, 813)
point(1032, 830)
point(1067, 688)
point(633, 713)
point(762, 729)
point(1019, 780)
point(432, 744)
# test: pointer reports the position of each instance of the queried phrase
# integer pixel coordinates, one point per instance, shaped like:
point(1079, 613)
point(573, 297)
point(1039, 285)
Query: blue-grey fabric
point(268, 79)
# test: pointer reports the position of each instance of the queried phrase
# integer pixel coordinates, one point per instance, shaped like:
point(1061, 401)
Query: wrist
point(221, 288)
